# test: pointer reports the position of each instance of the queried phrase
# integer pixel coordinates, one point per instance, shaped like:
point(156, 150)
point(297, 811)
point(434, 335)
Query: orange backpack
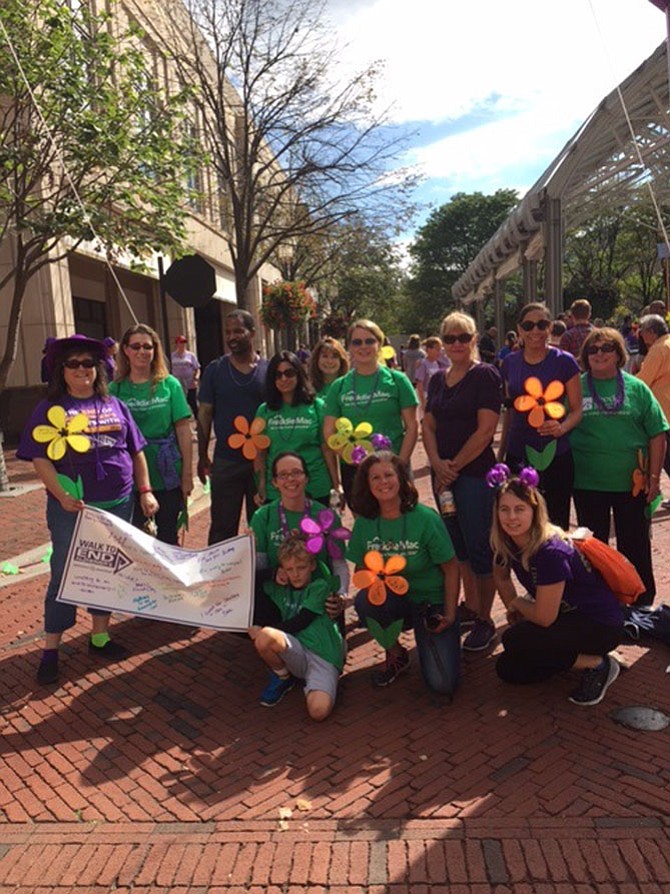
point(619, 574)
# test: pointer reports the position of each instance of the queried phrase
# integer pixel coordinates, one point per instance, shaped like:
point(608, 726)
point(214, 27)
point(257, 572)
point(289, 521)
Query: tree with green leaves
point(89, 146)
point(297, 145)
point(445, 246)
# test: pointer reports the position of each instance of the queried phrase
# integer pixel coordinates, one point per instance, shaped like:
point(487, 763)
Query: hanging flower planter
point(285, 304)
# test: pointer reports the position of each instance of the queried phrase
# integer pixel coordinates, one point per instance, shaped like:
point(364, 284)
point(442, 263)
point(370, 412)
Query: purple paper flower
point(358, 454)
point(529, 477)
point(320, 530)
point(381, 442)
point(497, 475)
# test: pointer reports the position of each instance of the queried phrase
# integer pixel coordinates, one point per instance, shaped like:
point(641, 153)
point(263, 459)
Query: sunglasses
point(287, 476)
point(144, 346)
point(75, 364)
point(529, 325)
point(606, 348)
point(357, 342)
point(463, 338)
point(289, 373)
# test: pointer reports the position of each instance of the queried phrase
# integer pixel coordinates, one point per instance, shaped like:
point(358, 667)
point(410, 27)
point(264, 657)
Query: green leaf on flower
point(541, 459)
point(386, 637)
point(73, 488)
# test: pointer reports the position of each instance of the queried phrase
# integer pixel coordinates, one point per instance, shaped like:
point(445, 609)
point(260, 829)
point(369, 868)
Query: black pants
point(534, 654)
point(192, 401)
point(232, 484)
point(555, 485)
point(170, 504)
point(631, 525)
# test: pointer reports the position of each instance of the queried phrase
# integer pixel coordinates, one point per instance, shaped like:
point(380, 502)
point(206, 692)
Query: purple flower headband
point(500, 473)
point(378, 441)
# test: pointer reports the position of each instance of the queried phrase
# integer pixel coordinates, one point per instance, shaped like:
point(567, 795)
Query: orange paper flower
point(640, 475)
point(249, 437)
point(539, 402)
point(378, 575)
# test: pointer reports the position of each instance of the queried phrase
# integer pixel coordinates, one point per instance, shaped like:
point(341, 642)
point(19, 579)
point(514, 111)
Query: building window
point(89, 317)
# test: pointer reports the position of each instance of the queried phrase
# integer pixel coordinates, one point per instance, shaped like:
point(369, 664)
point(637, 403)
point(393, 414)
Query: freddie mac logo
point(101, 555)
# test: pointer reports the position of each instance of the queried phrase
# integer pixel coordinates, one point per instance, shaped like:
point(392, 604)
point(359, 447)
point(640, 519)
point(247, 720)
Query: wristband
point(144, 490)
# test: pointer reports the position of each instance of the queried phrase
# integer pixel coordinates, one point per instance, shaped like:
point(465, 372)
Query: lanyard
point(283, 519)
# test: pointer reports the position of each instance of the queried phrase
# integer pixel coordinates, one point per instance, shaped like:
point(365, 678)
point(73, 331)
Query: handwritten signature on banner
point(112, 565)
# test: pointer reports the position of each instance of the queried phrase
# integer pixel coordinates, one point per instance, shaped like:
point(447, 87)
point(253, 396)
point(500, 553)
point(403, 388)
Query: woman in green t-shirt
point(618, 449)
point(157, 403)
point(294, 421)
point(390, 522)
point(374, 393)
point(329, 361)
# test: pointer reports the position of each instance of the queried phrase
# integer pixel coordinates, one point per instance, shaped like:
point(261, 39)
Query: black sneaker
point(394, 665)
point(595, 682)
point(47, 673)
point(466, 616)
point(111, 651)
point(481, 636)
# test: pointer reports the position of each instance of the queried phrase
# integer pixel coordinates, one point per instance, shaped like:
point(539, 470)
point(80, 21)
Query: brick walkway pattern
point(164, 774)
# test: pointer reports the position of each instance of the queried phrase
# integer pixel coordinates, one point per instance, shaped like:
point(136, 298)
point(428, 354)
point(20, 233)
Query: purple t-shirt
point(455, 412)
point(115, 439)
point(585, 589)
point(557, 365)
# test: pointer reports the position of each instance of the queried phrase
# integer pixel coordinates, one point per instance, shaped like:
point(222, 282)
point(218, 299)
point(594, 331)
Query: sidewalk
point(164, 774)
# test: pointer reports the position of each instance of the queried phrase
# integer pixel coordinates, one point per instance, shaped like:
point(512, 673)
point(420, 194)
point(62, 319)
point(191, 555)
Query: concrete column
point(499, 309)
point(529, 272)
point(553, 277)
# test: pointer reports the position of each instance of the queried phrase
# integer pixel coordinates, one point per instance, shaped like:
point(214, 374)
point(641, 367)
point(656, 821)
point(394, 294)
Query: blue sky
point(493, 89)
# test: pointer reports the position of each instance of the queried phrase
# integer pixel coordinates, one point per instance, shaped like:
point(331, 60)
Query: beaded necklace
point(618, 397)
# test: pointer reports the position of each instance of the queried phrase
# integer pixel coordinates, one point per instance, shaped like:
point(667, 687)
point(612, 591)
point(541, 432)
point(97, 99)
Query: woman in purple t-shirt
point(569, 619)
point(462, 413)
point(86, 450)
point(531, 435)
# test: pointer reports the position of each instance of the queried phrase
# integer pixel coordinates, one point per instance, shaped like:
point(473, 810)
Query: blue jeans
point(59, 616)
point(470, 528)
point(439, 653)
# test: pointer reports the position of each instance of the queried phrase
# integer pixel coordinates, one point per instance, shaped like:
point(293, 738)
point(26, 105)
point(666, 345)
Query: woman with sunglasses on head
point(462, 412)
point(87, 450)
point(328, 362)
point(159, 407)
point(373, 393)
point(535, 378)
point(618, 448)
point(293, 421)
point(569, 619)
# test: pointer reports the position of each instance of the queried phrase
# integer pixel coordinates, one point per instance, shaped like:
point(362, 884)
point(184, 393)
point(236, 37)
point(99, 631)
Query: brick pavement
point(163, 774)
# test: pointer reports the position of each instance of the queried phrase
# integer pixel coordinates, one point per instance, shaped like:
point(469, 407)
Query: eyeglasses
point(607, 348)
point(288, 476)
point(357, 342)
point(529, 325)
point(75, 364)
point(289, 373)
point(463, 338)
point(145, 346)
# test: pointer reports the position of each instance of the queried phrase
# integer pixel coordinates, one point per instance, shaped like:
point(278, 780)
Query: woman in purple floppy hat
point(87, 450)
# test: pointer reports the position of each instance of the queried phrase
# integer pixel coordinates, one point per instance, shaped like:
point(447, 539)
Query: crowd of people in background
point(584, 410)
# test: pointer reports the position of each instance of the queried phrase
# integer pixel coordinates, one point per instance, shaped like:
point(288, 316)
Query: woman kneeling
point(569, 619)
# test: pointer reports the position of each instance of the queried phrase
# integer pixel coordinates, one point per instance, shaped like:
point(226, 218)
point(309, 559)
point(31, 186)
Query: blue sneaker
point(276, 689)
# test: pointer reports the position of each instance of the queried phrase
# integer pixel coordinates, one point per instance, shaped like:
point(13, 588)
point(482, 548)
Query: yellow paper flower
point(346, 438)
point(62, 432)
point(537, 402)
point(386, 353)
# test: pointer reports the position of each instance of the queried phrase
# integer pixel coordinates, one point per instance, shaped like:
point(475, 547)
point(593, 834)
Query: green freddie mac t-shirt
point(604, 445)
point(299, 429)
point(267, 528)
point(419, 536)
point(377, 399)
point(322, 636)
point(155, 413)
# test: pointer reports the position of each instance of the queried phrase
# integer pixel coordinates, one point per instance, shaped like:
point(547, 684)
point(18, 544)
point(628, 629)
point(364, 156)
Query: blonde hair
point(294, 547)
point(541, 529)
point(459, 320)
point(370, 326)
point(159, 370)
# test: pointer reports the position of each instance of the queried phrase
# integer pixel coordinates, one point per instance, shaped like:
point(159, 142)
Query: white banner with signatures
point(115, 566)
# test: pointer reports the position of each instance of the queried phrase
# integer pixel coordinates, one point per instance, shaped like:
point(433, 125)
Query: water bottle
point(335, 500)
point(445, 499)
